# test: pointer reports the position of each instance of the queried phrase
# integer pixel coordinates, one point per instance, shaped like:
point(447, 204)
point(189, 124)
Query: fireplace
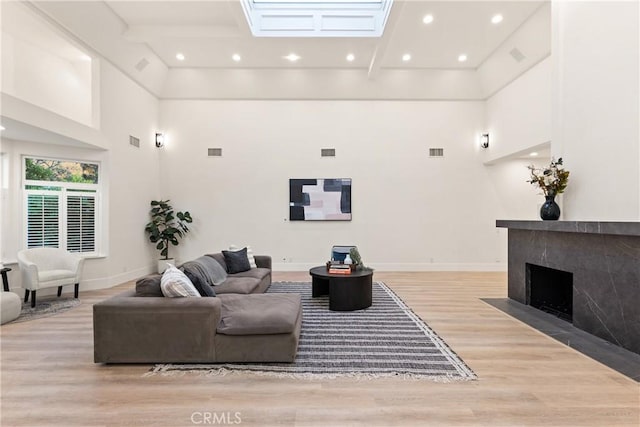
point(603, 260)
point(550, 290)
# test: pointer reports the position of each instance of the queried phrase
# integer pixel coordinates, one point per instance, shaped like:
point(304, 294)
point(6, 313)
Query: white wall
point(4, 194)
point(532, 39)
point(596, 113)
point(409, 211)
point(519, 116)
point(518, 199)
point(207, 83)
point(100, 27)
point(127, 109)
point(130, 180)
point(40, 67)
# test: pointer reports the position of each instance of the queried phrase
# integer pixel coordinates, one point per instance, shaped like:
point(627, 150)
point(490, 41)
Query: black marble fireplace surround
point(603, 259)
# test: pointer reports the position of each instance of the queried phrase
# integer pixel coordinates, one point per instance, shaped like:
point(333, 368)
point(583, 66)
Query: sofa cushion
point(149, 286)
point(237, 261)
point(175, 283)
point(195, 272)
point(250, 257)
point(255, 273)
point(50, 275)
point(238, 285)
point(259, 314)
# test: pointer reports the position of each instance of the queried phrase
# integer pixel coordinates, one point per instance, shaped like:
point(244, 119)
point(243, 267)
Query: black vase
point(550, 209)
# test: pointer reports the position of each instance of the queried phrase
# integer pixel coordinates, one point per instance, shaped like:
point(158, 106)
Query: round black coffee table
point(347, 292)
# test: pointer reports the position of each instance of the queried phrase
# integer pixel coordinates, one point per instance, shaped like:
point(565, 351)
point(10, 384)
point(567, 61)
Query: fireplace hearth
point(550, 290)
point(585, 272)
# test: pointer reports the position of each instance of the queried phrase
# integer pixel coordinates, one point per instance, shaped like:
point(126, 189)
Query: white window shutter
point(81, 223)
point(43, 220)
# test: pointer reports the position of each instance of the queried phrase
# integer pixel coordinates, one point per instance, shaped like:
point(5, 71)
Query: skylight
point(317, 18)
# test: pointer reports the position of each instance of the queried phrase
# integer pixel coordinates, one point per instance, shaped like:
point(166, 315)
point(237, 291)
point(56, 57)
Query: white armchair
point(47, 268)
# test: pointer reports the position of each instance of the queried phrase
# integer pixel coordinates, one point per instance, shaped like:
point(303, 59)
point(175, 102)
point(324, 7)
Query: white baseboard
point(108, 282)
point(94, 284)
point(111, 281)
point(485, 267)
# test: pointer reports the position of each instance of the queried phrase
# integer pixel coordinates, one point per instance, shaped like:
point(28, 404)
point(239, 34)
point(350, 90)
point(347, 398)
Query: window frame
point(66, 189)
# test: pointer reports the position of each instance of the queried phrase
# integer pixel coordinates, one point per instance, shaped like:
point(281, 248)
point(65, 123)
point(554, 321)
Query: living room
point(427, 224)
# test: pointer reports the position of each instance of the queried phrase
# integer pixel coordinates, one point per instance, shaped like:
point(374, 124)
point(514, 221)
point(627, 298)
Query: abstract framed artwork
point(320, 199)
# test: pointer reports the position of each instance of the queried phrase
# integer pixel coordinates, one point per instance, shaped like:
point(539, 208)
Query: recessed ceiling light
point(496, 19)
point(292, 57)
point(84, 57)
point(406, 57)
point(351, 57)
point(534, 154)
point(179, 56)
point(462, 57)
point(236, 57)
point(2, 127)
point(428, 19)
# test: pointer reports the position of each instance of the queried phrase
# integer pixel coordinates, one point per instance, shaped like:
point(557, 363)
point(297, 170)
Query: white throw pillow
point(252, 260)
point(174, 283)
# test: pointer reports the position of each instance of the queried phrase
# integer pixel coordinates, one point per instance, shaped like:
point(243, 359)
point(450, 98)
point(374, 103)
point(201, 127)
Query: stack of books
point(340, 269)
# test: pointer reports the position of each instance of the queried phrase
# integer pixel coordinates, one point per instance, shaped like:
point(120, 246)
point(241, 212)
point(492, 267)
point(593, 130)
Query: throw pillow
point(237, 261)
point(198, 277)
point(149, 286)
point(175, 283)
point(252, 259)
point(214, 272)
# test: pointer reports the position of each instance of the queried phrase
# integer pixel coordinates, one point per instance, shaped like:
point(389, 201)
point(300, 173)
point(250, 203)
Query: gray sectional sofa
point(240, 324)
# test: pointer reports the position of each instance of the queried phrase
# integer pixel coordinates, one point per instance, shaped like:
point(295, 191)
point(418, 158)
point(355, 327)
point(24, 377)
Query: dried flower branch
point(551, 180)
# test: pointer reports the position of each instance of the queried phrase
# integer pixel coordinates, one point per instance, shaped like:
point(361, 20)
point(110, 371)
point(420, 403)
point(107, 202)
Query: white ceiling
point(208, 33)
point(142, 38)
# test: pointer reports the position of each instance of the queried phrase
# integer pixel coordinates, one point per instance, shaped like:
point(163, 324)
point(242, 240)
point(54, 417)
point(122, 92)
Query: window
point(61, 200)
point(317, 18)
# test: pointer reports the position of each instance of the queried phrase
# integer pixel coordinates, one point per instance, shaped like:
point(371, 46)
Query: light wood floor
point(525, 377)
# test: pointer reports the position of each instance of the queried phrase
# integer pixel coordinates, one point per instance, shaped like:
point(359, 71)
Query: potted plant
point(166, 228)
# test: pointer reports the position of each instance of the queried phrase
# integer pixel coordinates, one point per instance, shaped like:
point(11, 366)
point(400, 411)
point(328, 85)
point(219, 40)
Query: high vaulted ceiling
point(142, 38)
point(208, 33)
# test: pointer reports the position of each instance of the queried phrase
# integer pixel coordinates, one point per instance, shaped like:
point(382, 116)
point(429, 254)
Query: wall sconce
point(159, 140)
point(484, 140)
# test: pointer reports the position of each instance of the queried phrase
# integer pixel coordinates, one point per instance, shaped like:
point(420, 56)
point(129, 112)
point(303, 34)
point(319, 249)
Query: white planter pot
point(162, 264)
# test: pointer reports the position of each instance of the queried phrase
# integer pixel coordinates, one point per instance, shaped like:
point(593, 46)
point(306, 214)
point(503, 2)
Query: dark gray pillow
point(198, 277)
point(237, 261)
point(149, 286)
point(215, 273)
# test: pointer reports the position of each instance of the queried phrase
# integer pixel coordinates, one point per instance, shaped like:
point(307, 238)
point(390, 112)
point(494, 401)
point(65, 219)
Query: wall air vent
point(214, 152)
point(134, 141)
point(328, 152)
point(142, 64)
point(436, 152)
point(516, 54)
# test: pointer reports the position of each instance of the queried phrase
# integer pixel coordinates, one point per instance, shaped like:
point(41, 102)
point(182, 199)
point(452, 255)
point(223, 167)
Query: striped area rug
point(386, 339)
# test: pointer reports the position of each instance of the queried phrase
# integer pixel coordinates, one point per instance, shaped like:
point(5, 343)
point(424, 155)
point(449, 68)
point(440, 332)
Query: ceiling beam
point(381, 48)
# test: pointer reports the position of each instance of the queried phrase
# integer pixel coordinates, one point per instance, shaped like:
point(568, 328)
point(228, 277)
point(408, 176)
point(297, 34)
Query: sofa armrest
point(130, 329)
point(263, 261)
